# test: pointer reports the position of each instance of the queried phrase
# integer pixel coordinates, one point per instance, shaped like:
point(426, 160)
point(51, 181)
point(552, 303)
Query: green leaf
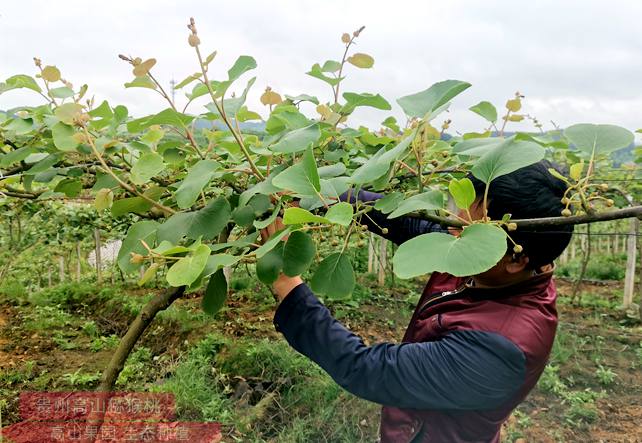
point(297, 140)
point(209, 221)
point(303, 98)
point(298, 253)
point(296, 216)
point(131, 204)
point(166, 117)
point(426, 201)
point(175, 227)
point(301, 178)
point(149, 273)
point(102, 111)
point(69, 186)
point(197, 178)
point(242, 64)
point(63, 137)
point(243, 216)
point(20, 126)
point(17, 155)
point(270, 265)
point(486, 110)
point(600, 139)
point(186, 270)
point(478, 249)
point(331, 66)
point(187, 80)
point(317, 72)
point(575, 171)
point(215, 293)
point(380, 163)
point(505, 158)
point(340, 214)
point(428, 101)
point(370, 170)
point(334, 277)
point(389, 202)
point(142, 230)
point(104, 199)
point(398, 151)
point(168, 249)
point(141, 82)
point(147, 166)
point(462, 191)
point(232, 105)
point(332, 170)
point(262, 224)
point(476, 147)
point(61, 92)
point(271, 242)
point(244, 115)
point(219, 261)
point(355, 100)
point(67, 112)
point(20, 81)
point(361, 60)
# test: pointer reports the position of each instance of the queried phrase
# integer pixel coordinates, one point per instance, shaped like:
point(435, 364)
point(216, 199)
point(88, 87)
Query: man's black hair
point(530, 192)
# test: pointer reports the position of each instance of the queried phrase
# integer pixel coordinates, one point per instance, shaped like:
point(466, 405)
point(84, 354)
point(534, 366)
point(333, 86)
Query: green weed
point(46, 318)
point(605, 376)
point(80, 379)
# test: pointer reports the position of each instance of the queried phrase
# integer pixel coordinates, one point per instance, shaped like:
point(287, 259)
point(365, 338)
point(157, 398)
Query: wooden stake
point(370, 253)
point(383, 255)
point(99, 264)
point(61, 269)
point(78, 269)
point(631, 255)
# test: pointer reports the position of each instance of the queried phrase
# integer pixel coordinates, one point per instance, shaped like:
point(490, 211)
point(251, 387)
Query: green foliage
point(600, 267)
point(470, 253)
point(80, 379)
point(185, 185)
point(605, 376)
point(134, 371)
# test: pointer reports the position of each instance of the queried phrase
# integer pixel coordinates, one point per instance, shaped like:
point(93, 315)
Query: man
point(474, 347)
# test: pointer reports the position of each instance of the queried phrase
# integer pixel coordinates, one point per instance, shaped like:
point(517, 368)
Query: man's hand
point(283, 284)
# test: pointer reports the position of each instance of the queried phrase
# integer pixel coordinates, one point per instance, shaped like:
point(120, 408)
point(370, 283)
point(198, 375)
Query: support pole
point(631, 255)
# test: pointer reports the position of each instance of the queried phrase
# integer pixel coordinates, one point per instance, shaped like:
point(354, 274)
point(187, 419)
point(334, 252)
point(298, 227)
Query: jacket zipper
point(431, 301)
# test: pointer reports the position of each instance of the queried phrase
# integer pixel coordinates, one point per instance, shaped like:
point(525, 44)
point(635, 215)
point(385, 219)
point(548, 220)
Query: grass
point(264, 390)
point(600, 267)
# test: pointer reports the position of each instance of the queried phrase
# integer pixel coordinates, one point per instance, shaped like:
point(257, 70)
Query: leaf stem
point(237, 137)
point(122, 184)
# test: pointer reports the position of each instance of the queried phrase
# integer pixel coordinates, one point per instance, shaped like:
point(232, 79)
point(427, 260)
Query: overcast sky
point(575, 61)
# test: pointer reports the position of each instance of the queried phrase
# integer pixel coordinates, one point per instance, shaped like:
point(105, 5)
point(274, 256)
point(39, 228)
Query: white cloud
point(575, 60)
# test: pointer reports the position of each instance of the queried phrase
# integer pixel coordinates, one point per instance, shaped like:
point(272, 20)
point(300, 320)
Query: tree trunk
point(99, 262)
point(136, 329)
point(631, 252)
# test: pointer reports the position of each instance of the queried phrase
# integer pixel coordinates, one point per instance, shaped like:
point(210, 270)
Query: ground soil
point(620, 411)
